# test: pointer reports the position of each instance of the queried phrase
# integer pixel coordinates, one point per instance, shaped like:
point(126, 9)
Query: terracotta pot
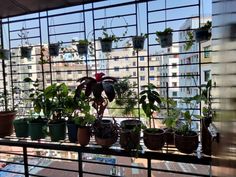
point(6, 123)
point(169, 137)
point(106, 142)
point(83, 136)
point(186, 144)
point(154, 139)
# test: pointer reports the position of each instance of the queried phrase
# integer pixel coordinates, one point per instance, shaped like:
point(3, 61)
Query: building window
point(68, 72)
point(79, 72)
point(141, 58)
point(126, 58)
point(29, 67)
point(142, 69)
point(174, 74)
point(174, 65)
point(30, 75)
point(134, 63)
point(152, 68)
point(206, 52)
point(116, 68)
point(116, 58)
point(207, 75)
point(174, 93)
point(58, 73)
point(151, 78)
point(188, 60)
point(142, 78)
point(174, 84)
point(127, 68)
point(134, 73)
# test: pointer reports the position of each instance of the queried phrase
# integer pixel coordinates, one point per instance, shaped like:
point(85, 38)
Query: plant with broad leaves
point(99, 90)
point(150, 101)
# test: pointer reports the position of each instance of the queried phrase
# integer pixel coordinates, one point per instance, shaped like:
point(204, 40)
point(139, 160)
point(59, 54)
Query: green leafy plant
point(207, 25)
point(107, 37)
point(189, 41)
point(165, 32)
point(150, 101)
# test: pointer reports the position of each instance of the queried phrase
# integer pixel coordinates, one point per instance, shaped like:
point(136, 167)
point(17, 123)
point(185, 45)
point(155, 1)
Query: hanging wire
point(53, 29)
point(139, 23)
point(165, 14)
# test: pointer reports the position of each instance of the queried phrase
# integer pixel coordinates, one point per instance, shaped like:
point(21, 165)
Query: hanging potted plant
point(126, 99)
point(186, 140)
point(138, 41)
point(54, 49)
point(150, 101)
point(203, 33)
point(165, 37)
point(37, 127)
point(82, 46)
point(106, 41)
point(4, 54)
point(26, 48)
point(100, 91)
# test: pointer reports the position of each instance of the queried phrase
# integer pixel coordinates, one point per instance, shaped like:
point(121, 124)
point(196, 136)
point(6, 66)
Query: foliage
point(126, 97)
point(150, 100)
point(85, 120)
point(107, 37)
point(99, 91)
point(206, 97)
point(189, 41)
point(165, 32)
point(207, 25)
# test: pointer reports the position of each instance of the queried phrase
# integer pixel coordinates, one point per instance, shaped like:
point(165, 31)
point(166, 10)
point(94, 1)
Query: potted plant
point(186, 140)
point(82, 46)
point(170, 121)
point(150, 101)
point(100, 91)
point(4, 54)
point(203, 33)
point(126, 99)
point(54, 49)
point(37, 126)
point(106, 41)
point(138, 41)
point(26, 48)
point(21, 127)
point(207, 118)
point(7, 115)
point(165, 37)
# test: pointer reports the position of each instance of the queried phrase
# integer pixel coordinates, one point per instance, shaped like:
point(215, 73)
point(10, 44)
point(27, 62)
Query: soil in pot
point(154, 138)
point(57, 130)
point(186, 143)
point(83, 136)
point(138, 42)
point(165, 40)
point(6, 123)
point(26, 52)
point(72, 131)
point(130, 134)
point(202, 35)
point(106, 45)
point(21, 127)
point(82, 49)
point(37, 129)
point(54, 50)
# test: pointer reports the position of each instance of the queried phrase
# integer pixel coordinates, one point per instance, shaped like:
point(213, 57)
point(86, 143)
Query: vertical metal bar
point(80, 164)
point(148, 51)
point(41, 54)
point(94, 36)
point(149, 169)
point(12, 87)
point(3, 70)
point(25, 161)
point(86, 56)
point(167, 97)
point(199, 58)
point(50, 63)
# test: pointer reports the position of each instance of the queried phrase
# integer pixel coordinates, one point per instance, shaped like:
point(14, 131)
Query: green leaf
point(28, 79)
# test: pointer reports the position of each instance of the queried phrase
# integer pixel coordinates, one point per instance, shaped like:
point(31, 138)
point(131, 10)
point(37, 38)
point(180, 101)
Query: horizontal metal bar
point(115, 16)
point(173, 8)
point(18, 30)
point(65, 24)
point(58, 34)
point(170, 20)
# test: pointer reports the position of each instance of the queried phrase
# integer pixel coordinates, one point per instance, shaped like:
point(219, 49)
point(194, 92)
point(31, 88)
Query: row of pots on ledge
point(164, 38)
point(57, 102)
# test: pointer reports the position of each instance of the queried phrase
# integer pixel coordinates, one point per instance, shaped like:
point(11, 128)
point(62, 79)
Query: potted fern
point(150, 101)
point(106, 41)
point(165, 37)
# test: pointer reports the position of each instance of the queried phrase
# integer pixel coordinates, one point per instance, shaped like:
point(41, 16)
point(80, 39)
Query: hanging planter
point(54, 49)
point(26, 48)
point(82, 47)
point(204, 33)
point(138, 42)
point(106, 44)
point(26, 51)
point(4, 54)
point(165, 37)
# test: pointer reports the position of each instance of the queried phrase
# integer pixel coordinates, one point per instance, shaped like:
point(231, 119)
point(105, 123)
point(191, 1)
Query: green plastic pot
point(37, 130)
point(57, 131)
point(21, 127)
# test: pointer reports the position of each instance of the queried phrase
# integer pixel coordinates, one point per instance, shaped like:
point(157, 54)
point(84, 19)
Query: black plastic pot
point(202, 35)
point(130, 134)
point(26, 52)
point(138, 42)
point(154, 139)
point(57, 131)
point(186, 144)
point(4, 54)
point(82, 49)
point(106, 45)
point(54, 49)
point(72, 132)
point(206, 136)
point(6, 122)
point(37, 130)
point(165, 40)
point(21, 127)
